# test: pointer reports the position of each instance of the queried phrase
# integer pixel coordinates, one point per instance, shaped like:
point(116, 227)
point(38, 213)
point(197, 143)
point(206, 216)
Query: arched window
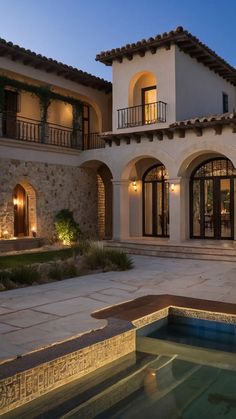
point(212, 200)
point(156, 202)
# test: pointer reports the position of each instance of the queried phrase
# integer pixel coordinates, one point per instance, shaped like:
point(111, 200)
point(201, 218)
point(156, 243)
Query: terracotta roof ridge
point(14, 48)
point(183, 39)
point(201, 119)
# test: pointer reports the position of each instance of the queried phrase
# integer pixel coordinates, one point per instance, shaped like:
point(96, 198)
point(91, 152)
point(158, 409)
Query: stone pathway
point(37, 316)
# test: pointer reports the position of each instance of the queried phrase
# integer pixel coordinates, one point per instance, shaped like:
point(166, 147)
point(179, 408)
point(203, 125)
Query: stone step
point(25, 243)
point(174, 251)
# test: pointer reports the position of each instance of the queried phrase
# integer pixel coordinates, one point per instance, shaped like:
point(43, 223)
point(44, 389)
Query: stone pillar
point(120, 209)
point(175, 227)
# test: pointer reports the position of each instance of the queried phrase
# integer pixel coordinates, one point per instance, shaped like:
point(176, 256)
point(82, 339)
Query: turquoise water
point(181, 390)
point(197, 379)
point(197, 332)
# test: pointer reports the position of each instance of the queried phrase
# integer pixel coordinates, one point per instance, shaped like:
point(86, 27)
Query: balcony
point(33, 131)
point(135, 116)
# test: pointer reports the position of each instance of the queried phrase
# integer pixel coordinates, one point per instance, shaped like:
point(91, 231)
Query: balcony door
point(149, 106)
point(10, 113)
point(212, 189)
point(156, 202)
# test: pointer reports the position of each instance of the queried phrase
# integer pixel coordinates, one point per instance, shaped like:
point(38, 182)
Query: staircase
point(185, 250)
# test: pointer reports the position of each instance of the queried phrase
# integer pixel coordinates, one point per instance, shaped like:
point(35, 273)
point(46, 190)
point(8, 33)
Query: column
point(175, 210)
point(120, 209)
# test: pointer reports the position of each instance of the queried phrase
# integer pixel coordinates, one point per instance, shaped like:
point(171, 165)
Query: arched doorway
point(212, 200)
point(21, 211)
point(156, 202)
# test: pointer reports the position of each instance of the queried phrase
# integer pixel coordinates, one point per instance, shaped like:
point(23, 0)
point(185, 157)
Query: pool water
point(181, 390)
point(197, 379)
point(197, 332)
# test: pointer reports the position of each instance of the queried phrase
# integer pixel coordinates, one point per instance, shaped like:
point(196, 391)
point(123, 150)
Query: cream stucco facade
point(189, 121)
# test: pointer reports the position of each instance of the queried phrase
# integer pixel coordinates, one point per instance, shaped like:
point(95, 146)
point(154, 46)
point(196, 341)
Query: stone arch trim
point(32, 199)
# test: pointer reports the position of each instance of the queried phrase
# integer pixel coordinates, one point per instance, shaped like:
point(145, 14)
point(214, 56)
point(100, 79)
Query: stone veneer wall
point(106, 178)
point(101, 208)
point(56, 187)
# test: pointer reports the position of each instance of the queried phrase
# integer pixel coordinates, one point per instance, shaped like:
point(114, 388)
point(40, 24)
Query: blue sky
point(74, 31)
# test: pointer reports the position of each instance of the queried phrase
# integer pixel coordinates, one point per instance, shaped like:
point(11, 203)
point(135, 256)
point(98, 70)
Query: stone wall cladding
point(28, 385)
point(56, 187)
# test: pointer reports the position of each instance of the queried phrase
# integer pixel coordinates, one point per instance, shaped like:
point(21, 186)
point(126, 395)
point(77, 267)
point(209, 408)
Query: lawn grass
point(14, 261)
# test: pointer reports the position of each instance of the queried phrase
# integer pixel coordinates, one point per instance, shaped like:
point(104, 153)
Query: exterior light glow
point(172, 187)
point(5, 234)
point(15, 202)
point(134, 185)
point(33, 231)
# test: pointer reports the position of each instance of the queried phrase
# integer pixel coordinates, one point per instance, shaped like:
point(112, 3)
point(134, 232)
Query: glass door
point(212, 208)
point(149, 106)
point(226, 208)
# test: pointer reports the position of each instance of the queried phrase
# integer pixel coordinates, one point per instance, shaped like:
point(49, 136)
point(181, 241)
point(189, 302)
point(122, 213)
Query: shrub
point(121, 260)
point(99, 258)
point(5, 280)
point(61, 271)
point(67, 229)
point(84, 246)
point(25, 275)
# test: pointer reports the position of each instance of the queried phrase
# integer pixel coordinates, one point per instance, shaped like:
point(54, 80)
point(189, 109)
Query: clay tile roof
point(38, 61)
point(224, 117)
point(185, 41)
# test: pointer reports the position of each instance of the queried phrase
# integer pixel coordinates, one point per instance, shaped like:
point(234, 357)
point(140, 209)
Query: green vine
point(44, 93)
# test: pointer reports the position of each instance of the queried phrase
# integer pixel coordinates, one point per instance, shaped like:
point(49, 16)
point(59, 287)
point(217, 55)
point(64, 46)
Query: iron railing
point(30, 130)
point(92, 141)
point(147, 114)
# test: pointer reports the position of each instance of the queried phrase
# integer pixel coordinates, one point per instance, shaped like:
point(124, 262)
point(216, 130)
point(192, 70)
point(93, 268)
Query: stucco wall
point(56, 187)
point(161, 65)
point(198, 89)
point(29, 106)
point(96, 98)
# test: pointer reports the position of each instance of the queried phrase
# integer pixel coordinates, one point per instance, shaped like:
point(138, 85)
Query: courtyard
point(38, 316)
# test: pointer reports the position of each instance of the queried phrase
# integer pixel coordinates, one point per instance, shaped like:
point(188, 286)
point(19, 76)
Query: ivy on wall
point(45, 95)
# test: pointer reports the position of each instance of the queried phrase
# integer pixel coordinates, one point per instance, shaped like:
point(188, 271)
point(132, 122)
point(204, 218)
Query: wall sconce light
point(15, 201)
point(5, 234)
point(33, 231)
point(172, 187)
point(134, 184)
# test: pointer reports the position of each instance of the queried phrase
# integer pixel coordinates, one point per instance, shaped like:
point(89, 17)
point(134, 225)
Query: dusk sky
point(74, 31)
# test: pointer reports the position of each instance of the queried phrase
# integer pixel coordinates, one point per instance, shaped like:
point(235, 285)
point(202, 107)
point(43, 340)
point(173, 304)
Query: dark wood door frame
point(216, 208)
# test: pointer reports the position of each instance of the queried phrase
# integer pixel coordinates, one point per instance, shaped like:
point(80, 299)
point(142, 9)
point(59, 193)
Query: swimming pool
point(193, 376)
point(184, 367)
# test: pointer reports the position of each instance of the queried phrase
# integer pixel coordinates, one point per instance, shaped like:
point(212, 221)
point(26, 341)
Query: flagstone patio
point(38, 316)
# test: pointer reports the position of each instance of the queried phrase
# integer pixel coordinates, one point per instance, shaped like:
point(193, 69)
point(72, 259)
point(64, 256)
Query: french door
point(212, 207)
point(156, 203)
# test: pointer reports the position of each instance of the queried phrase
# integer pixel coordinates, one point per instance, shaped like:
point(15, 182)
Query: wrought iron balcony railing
point(30, 130)
point(147, 114)
point(92, 141)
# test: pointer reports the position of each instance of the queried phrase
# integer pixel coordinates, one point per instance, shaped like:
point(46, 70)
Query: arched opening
point(104, 182)
point(24, 202)
point(143, 99)
point(156, 202)
point(212, 189)
point(102, 201)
